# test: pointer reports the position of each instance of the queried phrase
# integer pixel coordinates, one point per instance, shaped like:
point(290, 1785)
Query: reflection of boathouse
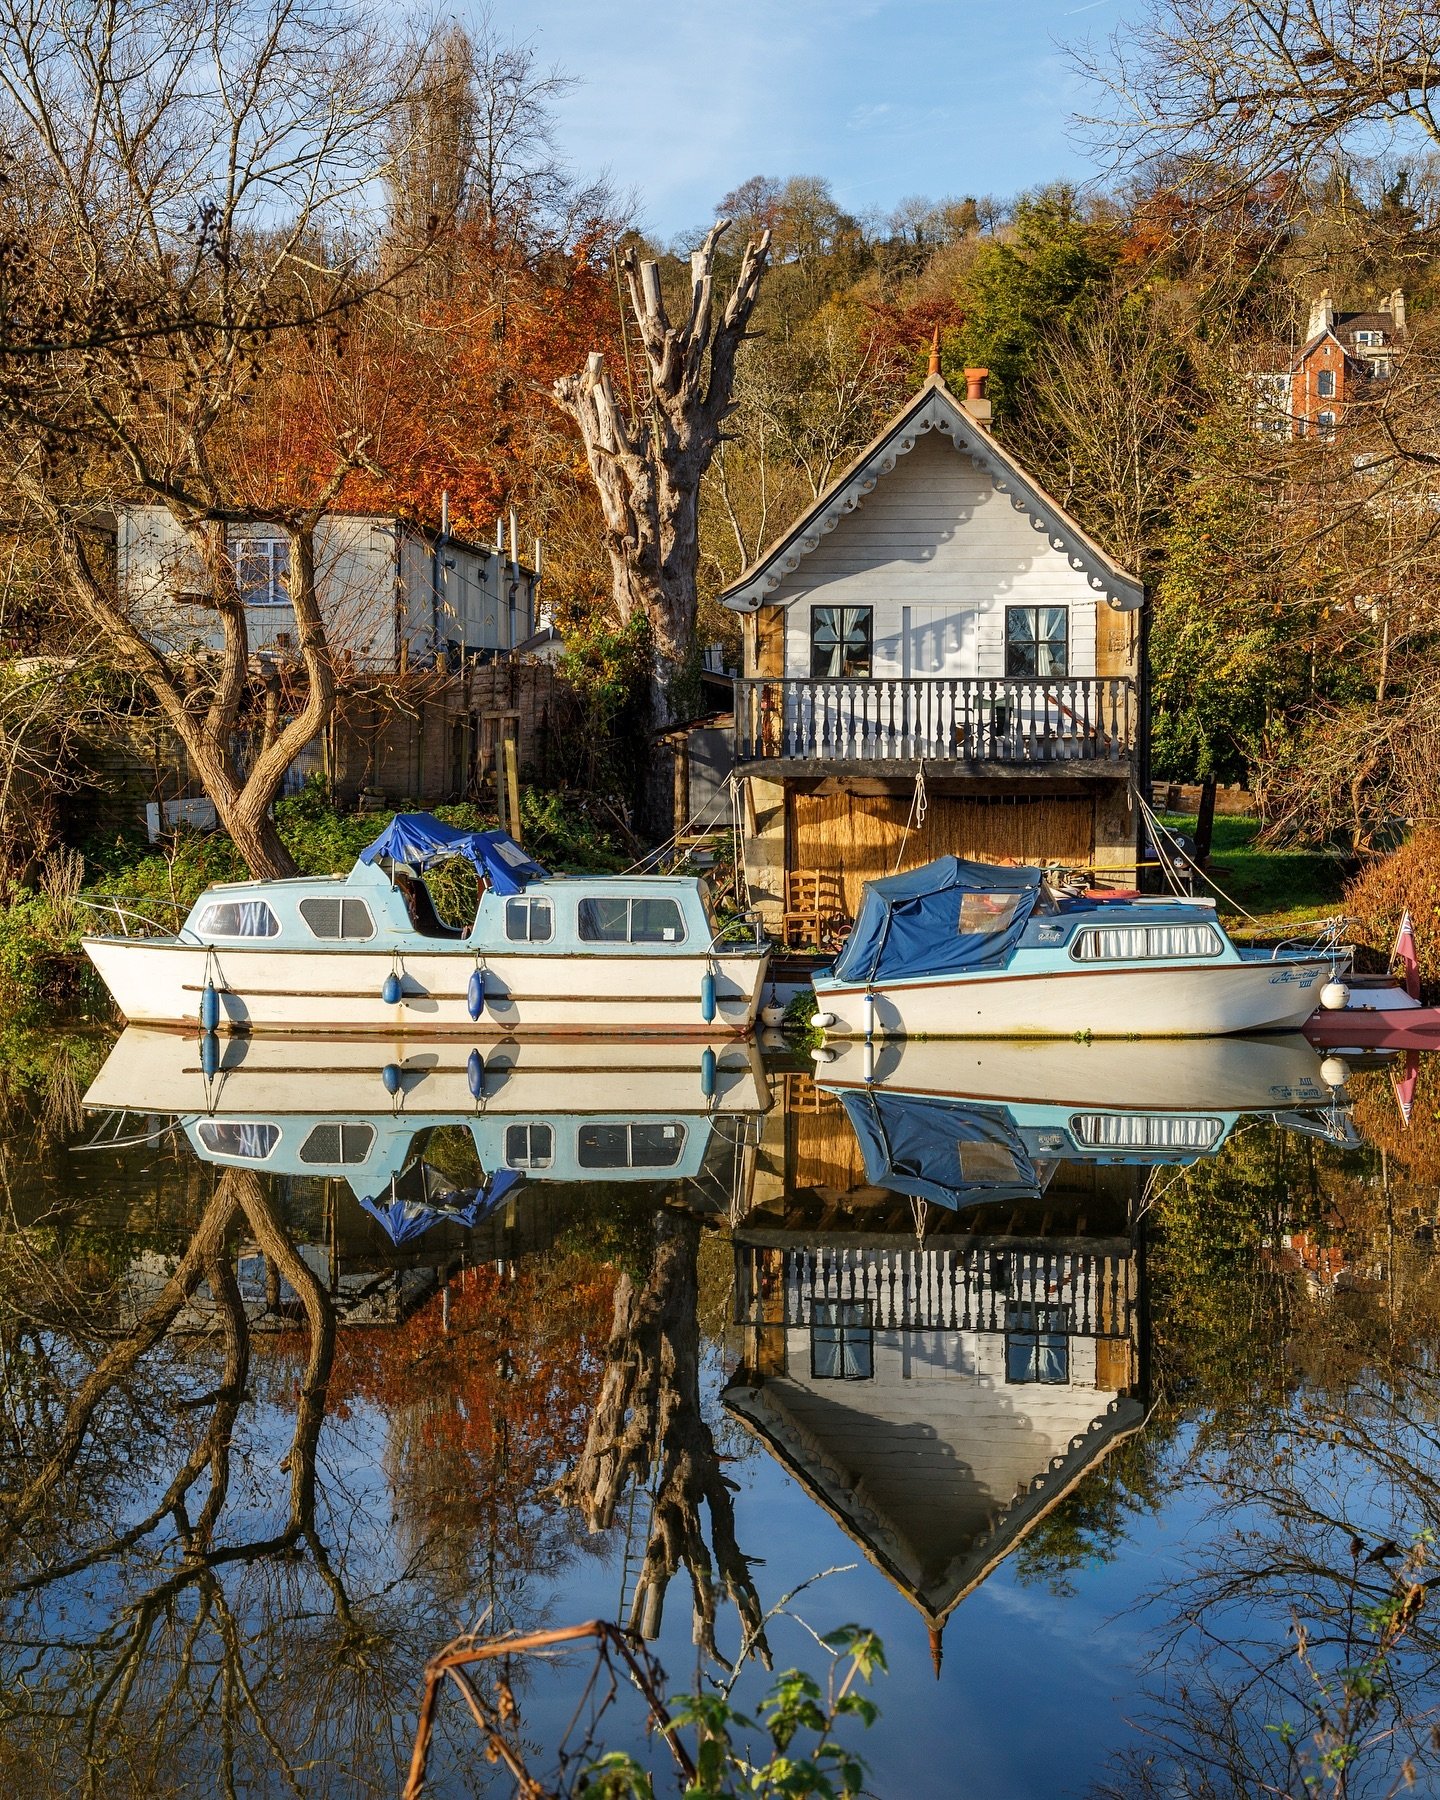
point(938, 1396)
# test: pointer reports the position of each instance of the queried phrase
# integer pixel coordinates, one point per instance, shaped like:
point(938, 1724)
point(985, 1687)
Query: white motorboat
point(367, 952)
point(971, 950)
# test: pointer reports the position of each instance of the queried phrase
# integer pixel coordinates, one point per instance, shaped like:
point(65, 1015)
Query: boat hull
point(1209, 1000)
point(260, 990)
point(154, 1071)
point(1256, 1074)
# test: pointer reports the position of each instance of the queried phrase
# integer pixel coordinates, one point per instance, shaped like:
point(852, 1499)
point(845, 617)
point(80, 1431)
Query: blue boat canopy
point(934, 920)
point(949, 1151)
point(419, 840)
point(404, 1218)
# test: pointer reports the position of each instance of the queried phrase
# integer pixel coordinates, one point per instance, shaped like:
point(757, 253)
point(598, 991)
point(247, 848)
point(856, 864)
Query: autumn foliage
point(1407, 879)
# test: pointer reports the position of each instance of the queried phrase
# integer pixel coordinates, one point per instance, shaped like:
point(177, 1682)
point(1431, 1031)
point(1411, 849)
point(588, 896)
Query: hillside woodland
point(388, 325)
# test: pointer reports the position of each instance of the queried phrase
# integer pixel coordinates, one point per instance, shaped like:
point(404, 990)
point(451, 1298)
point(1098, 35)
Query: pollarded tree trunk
point(647, 468)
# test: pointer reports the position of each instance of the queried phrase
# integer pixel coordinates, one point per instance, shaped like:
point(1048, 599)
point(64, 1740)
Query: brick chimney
point(975, 402)
point(1322, 315)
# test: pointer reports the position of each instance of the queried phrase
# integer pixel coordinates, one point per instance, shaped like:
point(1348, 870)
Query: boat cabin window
point(1037, 1342)
point(842, 1341)
point(631, 921)
point(250, 1138)
point(238, 918)
point(529, 1146)
point(338, 1142)
point(1146, 1131)
point(1142, 943)
point(630, 1146)
point(338, 918)
point(529, 921)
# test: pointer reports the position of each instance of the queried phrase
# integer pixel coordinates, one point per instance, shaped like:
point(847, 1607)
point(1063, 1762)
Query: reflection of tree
point(174, 1615)
point(1298, 1654)
point(648, 1423)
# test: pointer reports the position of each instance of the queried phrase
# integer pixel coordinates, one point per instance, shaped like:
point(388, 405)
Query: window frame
point(629, 1127)
point(584, 936)
point(846, 1331)
point(342, 1161)
point(1325, 423)
point(1094, 931)
point(1322, 376)
point(342, 936)
point(1014, 645)
point(276, 553)
point(530, 903)
point(204, 929)
point(205, 1127)
point(529, 1127)
point(1031, 1334)
point(841, 638)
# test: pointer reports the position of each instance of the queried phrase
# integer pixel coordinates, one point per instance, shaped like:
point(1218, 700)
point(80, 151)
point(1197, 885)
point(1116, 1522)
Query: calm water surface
point(1102, 1382)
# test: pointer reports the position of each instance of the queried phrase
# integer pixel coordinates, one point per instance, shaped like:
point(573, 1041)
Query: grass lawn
point(1280, 887)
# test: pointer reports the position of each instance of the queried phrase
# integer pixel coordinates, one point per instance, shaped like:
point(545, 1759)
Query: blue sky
point(683, 99)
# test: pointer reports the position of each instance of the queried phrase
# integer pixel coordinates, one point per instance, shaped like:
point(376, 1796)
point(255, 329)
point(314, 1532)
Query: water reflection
point(327, 1351)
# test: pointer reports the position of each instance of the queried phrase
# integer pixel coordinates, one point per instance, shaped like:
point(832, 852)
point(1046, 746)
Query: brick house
point(1344, 356)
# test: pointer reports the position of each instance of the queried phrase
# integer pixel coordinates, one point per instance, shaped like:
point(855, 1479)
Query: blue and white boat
point(970, 950)
point(368, 952)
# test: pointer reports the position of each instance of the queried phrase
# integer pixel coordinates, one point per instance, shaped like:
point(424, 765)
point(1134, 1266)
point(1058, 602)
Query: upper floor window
point(338, 918)
point(529, 921)
point(1369, 337)
point(842, 1341)
point(1037, 640)
point(1325, 384)
point(262, 570)
point(238, 918)
point(841, 638)
point(631, 921)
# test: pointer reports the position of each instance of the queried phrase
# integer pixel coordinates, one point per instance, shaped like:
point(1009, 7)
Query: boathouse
point(937, 658)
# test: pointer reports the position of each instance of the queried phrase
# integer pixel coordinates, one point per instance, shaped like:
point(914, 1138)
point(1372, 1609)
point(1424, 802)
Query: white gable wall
point(936, 532)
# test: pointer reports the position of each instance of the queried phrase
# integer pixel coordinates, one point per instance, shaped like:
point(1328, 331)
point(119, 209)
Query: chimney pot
point(975, 380)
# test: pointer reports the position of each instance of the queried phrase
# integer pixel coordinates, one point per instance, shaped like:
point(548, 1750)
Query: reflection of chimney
point(937, 1649)
point(976, 404)
point(1322, 315)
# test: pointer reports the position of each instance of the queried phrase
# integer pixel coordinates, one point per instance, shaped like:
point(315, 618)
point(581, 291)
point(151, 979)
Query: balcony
point(1082, 724)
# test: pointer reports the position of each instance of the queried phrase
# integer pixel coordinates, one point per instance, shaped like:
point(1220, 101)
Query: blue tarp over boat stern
point(948, 915)
point(419, 840)
point(950, 1151)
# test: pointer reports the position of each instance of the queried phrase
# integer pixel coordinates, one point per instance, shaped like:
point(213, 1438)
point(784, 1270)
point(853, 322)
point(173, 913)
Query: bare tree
point(647, 461)
point(181, 184)
point(1246, 89)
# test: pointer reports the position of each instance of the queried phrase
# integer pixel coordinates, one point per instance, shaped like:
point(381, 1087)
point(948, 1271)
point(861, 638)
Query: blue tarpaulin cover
point(420, 840)
point(947, 916)
point(950, 1151)
point(403, 1219)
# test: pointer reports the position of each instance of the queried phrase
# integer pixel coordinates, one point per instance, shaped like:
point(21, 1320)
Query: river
point(1101, 1383)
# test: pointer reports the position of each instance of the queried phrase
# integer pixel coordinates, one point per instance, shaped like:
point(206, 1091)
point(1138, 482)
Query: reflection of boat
point(1198, 1075)
point(436, 1135)
point(369, 953)
point(968, 950)
point(960, 1149)
point(163, 1072)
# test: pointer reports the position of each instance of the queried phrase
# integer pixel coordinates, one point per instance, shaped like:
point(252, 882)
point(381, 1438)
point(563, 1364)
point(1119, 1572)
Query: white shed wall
point(936, 532)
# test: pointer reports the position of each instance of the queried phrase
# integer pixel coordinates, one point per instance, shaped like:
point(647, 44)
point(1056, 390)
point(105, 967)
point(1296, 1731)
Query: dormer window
point(1325, 384)
point(1367, 338)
